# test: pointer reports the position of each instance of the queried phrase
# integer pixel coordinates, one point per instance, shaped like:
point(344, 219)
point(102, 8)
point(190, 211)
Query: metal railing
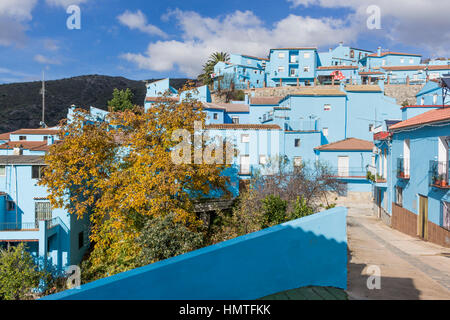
point(350, 172)
point(439, 174)
point(302, 125)
point(20, 226)
point(403, 170)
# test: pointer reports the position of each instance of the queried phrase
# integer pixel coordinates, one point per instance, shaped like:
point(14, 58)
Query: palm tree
point(208, 67)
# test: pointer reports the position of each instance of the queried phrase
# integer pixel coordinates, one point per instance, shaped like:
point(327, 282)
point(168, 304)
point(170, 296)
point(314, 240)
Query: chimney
point(331, 49)
point(379, 51)
point(50, 140)
point(341, 44)
point(18, 151)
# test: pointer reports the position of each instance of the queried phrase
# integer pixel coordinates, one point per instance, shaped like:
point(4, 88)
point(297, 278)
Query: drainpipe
point(17, 197)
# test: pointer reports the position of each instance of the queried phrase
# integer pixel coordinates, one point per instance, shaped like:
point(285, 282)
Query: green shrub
point(274, 209)
point(163, 238)
point(19, 274)
point(301, 209)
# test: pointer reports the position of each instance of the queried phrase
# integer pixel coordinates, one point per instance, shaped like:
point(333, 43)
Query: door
point(343, 166)
point(379, 202)
point(245, 165)
point(422, 223)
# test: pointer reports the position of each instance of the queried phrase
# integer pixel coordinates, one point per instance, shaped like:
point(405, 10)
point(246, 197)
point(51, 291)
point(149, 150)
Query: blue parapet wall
point(303, 252)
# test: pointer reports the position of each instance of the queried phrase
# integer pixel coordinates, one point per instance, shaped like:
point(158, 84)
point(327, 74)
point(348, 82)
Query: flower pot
point(444, 183)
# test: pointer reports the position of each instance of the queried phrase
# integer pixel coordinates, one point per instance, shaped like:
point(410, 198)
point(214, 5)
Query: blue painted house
point(52, 235)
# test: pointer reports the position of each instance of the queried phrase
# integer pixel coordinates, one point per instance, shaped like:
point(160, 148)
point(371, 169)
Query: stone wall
point(402, 92)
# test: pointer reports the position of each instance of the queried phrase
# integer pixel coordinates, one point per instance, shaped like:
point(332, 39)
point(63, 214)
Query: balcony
point(439, 174)
point(20, 226)
point(349, 173)
point(403, 169)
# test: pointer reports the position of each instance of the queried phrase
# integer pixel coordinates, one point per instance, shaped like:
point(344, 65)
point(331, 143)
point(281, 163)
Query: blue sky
point(154, 39)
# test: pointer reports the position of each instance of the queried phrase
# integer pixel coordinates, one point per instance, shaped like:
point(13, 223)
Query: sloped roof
point(5, 136)
point(232, 126)
point(24, 160)
point(314, 91)
point(400, 68)
point(338, 68)
point(364, 73)
point(390, 53)
point(265, 100)
point(436, 115)
point(157, 99)
point(296, 48)
point(228, 107)
point(383, 135)
point(424, 106)
point(349, 144)
point(253, 57)
point(36, 131)
point(29, 145)
point(363, 88)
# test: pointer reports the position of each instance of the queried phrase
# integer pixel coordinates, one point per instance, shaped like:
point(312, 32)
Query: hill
point(21, 103)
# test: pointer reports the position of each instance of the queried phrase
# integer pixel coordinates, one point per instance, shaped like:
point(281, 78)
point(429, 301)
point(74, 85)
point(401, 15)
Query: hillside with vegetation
point(21, 103)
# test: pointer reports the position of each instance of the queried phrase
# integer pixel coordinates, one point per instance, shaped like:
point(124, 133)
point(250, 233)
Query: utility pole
point(43, 99)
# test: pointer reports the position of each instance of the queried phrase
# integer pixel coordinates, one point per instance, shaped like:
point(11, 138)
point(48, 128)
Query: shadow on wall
point(391, 288)
point(303, 252)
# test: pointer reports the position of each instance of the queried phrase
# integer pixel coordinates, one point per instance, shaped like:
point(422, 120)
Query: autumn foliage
point(121, 174)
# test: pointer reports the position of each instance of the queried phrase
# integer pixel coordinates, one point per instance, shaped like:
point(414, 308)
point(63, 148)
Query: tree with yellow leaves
point(121, 173)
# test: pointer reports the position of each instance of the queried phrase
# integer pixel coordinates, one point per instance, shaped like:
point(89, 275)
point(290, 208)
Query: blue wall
point(303, 252)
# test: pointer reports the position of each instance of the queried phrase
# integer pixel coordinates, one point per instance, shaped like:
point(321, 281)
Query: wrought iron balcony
point(403, 169)
point(439, 174)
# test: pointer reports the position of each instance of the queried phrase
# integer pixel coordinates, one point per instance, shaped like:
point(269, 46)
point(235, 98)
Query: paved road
point(410, 268)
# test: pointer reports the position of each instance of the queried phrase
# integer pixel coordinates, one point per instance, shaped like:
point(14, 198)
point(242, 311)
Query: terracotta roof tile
point(46, 131)
point(232, 126)
point(253, 57)
point(364, 73)
point(29, 145)
point(394, 54)
point(338, 68)
point(383, 135)
point(5, 136)
point(156, 99)
point(349, 144)
point(401, 68)
point(436, 115)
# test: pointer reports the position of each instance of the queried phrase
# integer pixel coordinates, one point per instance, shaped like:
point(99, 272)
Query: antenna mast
point(43, 99)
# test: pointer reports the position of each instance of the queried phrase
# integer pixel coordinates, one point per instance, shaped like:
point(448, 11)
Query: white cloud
point(421, 23)
point(44, 60)
point(64, 3)
point(137, 20)
point(239, 32)
point(51, 45)
point(13, 17)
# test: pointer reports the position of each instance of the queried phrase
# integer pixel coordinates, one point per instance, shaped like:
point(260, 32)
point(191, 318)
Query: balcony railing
point(439, 174)
point(403, 168)
point(351, 172)
point(21, 226)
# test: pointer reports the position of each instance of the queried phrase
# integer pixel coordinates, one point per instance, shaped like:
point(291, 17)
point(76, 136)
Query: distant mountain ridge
point(21, 103)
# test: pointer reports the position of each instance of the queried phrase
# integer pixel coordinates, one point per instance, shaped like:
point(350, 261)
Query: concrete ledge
point(311, 251)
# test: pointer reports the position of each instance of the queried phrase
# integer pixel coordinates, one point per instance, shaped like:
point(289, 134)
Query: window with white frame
point(402, 60)
point(411, 61)
point(297, 143)
point(245, 138)
point(262, 159)
point(280, 69)
point(446, 215)
point(307, 55)
point(325, 132)
point(235, 120)
point(245, 165)
point(422, 101)
point(10, 205)
point(249, 61)
point(293, 72)
point(371, 127)
point(281, 55)
point(305, 69)
point(399, 196)
point(215, 116)
point(327, 107)
point(293, 59)
point(435, 98)
point(383, 62)
point(2, 171)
